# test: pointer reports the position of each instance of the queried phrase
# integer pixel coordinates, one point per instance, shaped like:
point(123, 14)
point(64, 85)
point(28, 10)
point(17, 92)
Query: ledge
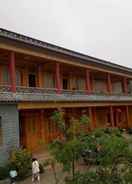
point(65, 97)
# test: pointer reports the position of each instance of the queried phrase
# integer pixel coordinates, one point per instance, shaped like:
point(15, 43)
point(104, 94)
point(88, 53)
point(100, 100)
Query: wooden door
point(30, 131)
point(33, 138)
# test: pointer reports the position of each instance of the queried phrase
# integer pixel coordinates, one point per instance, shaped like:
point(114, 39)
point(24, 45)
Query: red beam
point(112, 116)
point(58, 78)
point(40, 76)
point(88, 83)
point(94, 117)
point(92, 83)
point(109, 83)
point(90, 117)
point(127, 116)
point(92, 113)
point(125, 85)
point(12, 72)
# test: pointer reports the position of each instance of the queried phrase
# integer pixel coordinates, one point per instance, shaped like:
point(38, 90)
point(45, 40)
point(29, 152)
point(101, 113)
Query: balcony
point(30, 94)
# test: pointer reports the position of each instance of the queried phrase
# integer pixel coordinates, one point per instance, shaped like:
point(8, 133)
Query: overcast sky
point(100, 28)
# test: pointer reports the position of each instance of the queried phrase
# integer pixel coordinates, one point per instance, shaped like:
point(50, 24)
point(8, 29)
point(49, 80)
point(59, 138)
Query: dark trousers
point(12, 180)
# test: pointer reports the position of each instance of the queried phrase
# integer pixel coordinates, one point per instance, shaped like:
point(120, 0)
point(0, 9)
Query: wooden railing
point(5, 88)
point(21, 89)
point(25, 89)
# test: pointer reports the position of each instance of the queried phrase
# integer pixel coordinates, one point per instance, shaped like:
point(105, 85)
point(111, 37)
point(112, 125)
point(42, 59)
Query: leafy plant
point(107, 151)
point(20, 160)
point(4, 172)
point(67, 150)
point(113, 160)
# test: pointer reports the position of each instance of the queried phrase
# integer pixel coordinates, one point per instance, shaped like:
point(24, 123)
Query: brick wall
point(10, 130)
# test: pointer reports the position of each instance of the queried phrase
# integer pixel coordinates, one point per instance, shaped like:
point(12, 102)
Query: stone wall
point(10, 130)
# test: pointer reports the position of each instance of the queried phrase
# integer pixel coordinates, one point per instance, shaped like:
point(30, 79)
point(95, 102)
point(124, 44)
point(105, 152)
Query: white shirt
point(35, 167)
point(13, 173)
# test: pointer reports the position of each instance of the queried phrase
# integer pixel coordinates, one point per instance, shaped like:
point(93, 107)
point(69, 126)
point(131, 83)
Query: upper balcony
point(26, 78)
point(34, 94)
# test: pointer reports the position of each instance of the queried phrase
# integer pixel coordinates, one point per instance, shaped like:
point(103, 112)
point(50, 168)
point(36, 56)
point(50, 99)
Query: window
point(49, 80)
point(100, 86)
point(18, 78)
point(0, 131)
point(65, 83)
point(32, 80)
point(5, 75)
point(80, 84)
point(117, 87)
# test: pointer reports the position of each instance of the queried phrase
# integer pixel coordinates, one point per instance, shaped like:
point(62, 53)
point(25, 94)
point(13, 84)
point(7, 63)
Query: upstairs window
point(80, 84)
point(100, 86)
point(49, 80)
point(117, 87)
point(5, 75)
point(18, 78)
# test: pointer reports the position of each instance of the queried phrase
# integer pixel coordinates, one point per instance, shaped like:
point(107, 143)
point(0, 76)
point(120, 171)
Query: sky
point(99, 28)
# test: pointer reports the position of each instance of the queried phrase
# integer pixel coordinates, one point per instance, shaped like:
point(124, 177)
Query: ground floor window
point(0, 131)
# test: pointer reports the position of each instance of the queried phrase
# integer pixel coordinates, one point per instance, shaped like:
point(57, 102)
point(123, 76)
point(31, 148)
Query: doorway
point(65, 83)
point(30, 132)
point(32, 80)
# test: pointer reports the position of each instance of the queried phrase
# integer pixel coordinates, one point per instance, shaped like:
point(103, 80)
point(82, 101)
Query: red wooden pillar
point(92, 115)
point(109, 83)
point(125, 85)
point(40, 76)
point(58, 78)
point(117, 117)
point(12, 72)
point(92, 83)
point(112, 116)
point(88, 83)
point(127, 116)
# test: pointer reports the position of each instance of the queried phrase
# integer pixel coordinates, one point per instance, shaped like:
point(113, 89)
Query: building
point(37, 77)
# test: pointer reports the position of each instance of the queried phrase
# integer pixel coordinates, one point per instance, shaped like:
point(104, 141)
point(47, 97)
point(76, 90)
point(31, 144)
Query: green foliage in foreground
point(107, 152)
point(20, 160)
point(95, 178)
point(4, 172)
point(113, 161)
point(66, 153)
point(67, 150)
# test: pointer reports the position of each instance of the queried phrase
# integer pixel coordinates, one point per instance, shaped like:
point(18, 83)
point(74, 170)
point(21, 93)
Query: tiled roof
point(83, 58)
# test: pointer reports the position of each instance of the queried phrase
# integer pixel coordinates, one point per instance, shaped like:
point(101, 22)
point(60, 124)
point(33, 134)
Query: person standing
point(13, 176)
point(35, 171)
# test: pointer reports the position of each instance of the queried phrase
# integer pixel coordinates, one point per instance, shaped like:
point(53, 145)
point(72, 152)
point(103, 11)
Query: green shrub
point(4, 172)
point(84, 178)
point(41, 167)
point(20, 160)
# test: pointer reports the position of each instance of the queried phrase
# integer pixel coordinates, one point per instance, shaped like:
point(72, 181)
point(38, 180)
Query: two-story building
point(37, 77)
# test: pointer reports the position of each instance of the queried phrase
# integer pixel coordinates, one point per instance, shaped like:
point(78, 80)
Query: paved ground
point(46, 178)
